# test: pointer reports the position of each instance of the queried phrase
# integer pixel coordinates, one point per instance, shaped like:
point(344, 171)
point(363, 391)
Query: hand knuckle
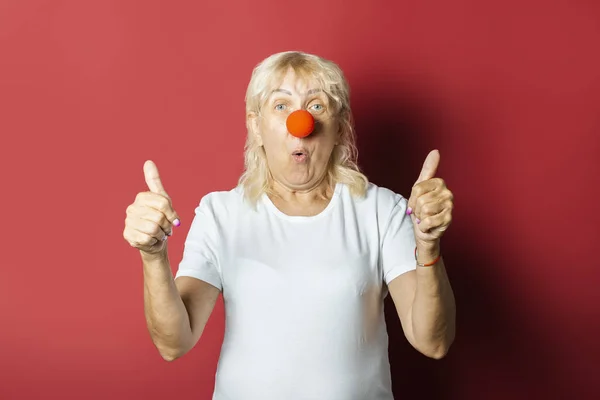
point(163, 221)
point(128, 222)
point(164, 204)
point(426, 209)
point(143, 239)
point(155, 229)
point(151, 214)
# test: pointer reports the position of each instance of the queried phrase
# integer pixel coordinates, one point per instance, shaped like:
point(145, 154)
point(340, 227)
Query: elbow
point(438, 353)
point(170, 354)
point(169, 357)
point(437, 350)
point(442, 350)
point(170, 350)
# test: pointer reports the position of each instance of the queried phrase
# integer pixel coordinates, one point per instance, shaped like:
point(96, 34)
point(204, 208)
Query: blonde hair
point(256, 178)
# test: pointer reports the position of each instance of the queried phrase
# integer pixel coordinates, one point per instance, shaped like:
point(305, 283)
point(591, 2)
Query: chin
point(298, 182)
point(295, 184)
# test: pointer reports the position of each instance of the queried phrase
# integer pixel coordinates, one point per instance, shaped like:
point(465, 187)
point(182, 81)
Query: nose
point(300, 123)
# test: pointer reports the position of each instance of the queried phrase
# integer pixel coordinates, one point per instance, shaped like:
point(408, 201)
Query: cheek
point(273, 131)
point(274, 140)
point(328, 133)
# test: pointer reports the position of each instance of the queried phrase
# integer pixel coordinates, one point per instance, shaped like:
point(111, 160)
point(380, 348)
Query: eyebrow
point(282, 91)
point(311, 91)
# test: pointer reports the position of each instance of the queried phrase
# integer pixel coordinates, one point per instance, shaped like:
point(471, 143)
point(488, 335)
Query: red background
point(508, 91)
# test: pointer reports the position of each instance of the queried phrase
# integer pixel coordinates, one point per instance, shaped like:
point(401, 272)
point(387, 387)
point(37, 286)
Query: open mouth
point(299, 155)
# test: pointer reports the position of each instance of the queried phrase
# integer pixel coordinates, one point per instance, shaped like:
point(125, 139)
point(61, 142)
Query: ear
point(252, 123)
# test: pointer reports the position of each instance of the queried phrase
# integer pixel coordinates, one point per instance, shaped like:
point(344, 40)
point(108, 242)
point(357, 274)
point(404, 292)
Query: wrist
point(153, 258)
point(428, 248)
point(427, 254)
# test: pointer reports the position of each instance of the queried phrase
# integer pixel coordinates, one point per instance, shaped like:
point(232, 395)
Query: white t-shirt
point(303, 296)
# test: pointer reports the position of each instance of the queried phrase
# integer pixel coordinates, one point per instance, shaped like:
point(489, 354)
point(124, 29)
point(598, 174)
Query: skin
point(177, 310)
point(423, 298)
point(301, 188)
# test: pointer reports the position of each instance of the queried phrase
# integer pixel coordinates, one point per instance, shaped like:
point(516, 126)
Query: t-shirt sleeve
point(200, 254)
point(398, 243)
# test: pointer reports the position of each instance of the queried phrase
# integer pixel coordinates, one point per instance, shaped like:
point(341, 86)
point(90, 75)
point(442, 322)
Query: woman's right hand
point(150, 219)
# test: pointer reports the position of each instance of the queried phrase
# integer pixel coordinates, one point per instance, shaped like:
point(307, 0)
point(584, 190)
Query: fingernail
point(408, 211)
point(418, 221)
point(176, 222)
point(164, 238)
point(169, 233)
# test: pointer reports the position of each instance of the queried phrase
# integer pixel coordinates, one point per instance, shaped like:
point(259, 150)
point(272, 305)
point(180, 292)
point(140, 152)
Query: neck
point(309, 201)
point(319, 192)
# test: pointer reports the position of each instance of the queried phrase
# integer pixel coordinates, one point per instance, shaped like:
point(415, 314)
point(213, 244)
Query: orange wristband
point(426, 265)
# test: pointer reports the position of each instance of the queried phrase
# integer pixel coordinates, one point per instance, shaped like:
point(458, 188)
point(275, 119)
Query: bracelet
point(426, 265)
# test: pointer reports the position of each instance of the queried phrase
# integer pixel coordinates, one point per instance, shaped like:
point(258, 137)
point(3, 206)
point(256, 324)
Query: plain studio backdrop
point(508, 91)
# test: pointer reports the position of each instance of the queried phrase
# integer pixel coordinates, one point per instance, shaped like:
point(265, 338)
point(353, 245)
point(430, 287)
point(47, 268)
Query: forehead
point(292, 81)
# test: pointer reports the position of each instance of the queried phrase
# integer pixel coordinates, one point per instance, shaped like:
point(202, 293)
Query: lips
point(300, 152)
point(300, 155)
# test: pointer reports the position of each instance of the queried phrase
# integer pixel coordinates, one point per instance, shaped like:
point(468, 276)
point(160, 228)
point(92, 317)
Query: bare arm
point(425, 304)
point(176, 310)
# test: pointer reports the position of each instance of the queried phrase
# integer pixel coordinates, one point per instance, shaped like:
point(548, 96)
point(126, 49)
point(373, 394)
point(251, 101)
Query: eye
point(317, 107)
point(280, 107)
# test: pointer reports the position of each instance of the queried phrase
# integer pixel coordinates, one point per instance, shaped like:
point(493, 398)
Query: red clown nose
point(300, 123)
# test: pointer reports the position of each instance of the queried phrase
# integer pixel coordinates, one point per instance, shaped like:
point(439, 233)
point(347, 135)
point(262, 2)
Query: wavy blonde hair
point(343, 168)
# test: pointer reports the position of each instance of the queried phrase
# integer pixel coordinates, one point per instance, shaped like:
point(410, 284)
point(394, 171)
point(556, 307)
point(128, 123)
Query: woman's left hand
point(430, 204)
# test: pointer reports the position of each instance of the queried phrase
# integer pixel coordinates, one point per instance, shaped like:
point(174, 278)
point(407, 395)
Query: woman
point(304, 250)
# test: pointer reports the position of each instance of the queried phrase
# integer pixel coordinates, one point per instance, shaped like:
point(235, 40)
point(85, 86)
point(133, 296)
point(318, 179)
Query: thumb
point(153, 179)
point(430, 166)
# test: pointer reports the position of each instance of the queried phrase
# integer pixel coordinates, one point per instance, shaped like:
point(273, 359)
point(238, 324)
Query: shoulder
point(221, 197)
point(222, 205)
point(379, 205)
point(381, 198)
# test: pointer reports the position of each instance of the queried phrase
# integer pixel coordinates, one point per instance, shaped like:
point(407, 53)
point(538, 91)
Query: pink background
point(508, 91)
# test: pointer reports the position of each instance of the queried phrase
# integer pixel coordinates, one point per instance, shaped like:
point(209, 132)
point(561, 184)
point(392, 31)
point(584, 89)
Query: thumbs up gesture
point(430, 204)
point(150, 219)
